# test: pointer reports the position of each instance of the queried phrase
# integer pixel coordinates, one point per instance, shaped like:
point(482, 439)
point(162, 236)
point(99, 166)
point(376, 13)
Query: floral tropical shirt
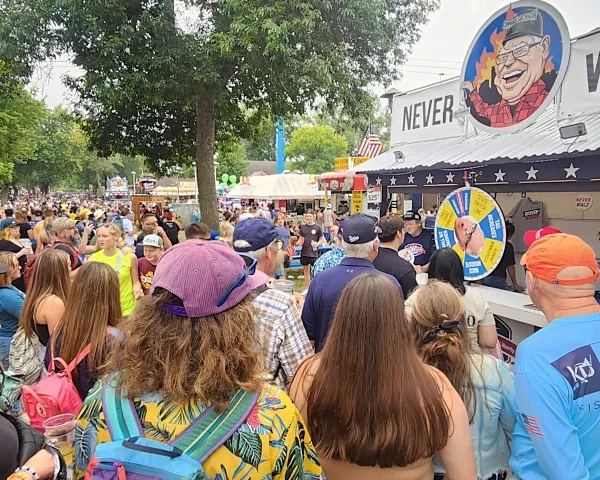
point(272, 444)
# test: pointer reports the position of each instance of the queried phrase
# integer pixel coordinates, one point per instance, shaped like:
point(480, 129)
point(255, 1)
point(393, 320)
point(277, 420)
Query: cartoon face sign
point(515, 66)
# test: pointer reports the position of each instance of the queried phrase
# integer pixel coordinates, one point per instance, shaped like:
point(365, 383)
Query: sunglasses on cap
point(250, 270)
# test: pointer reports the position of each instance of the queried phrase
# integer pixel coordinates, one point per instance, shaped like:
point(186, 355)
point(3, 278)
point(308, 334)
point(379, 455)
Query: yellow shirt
point(125, 282)
point(272, 443)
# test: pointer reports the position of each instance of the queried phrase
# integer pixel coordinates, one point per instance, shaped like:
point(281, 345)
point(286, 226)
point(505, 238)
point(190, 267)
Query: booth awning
point(342, 181)
point(287, 186)
point(540, 140)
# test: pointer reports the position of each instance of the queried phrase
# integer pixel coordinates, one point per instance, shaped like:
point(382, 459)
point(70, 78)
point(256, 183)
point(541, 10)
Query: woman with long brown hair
point(92, 308)
point(374, 409)
point(484, 383)
point(45, 302)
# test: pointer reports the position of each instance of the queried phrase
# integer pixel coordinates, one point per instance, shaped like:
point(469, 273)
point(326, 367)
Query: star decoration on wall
point(500, 175)
point(531, 173)
point(378, 181)
point(429, 178)
point(393, 181)
point(450, 177)
point(571, 171)
point(411, 178)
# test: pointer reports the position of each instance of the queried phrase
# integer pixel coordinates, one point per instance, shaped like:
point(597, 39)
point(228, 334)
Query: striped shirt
point(281, 335)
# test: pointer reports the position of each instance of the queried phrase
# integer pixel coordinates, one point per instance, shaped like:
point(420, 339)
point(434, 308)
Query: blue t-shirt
point(11, 303)
point(422, 246)
point(557, 397)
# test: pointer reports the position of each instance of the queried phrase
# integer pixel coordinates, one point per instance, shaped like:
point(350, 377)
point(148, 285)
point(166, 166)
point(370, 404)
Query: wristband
point(29, 471)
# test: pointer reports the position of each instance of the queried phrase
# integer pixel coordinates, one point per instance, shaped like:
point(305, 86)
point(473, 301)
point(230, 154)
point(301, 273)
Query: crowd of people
point(180, 346)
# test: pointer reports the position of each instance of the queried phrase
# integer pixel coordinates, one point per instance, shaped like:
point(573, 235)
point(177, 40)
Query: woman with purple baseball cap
point(189, 353)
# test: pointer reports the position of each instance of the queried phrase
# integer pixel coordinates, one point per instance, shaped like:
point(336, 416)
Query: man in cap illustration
point(521, 63)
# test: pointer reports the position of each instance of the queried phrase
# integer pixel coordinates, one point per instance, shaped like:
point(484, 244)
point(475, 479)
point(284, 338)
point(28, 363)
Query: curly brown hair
point(184, 358)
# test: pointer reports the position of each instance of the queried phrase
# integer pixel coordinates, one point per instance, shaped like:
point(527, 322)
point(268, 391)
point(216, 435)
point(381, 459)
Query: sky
point(438, 55)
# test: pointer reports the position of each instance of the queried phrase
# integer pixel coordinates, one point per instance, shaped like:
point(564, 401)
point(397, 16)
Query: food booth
point(285, 190)
point(458, 132)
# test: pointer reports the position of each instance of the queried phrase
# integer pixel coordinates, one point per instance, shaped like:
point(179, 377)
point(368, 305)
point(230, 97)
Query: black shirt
point(507, 260)
point(68, 251)
point(311, 233)
point(389, 262)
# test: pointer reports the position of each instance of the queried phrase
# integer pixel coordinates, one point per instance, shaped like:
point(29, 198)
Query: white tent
point(285, 186)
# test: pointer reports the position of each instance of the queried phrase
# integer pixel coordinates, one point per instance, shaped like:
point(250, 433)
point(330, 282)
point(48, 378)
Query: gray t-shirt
point(526, 215)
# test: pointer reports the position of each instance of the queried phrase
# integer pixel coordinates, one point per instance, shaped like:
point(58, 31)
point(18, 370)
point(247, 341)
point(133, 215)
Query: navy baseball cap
point(410, 215)
point(253, 234)
point(359, 228)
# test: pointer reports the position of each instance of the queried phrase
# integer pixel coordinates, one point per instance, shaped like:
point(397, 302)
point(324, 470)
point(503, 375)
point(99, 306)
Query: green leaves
point(315, 147)
point(247, 446)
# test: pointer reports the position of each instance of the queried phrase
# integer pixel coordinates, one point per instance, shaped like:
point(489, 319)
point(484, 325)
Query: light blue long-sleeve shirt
point(557, 396)
point(494, 418)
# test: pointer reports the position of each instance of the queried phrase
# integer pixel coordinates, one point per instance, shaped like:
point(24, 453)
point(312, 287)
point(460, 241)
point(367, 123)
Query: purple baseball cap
point(200, 272)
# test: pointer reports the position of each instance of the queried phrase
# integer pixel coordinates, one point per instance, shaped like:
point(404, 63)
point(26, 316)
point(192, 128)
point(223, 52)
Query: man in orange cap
point(557, 370)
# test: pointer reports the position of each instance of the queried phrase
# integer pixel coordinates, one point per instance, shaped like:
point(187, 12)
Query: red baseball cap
point(551, 254)
point(533, 235)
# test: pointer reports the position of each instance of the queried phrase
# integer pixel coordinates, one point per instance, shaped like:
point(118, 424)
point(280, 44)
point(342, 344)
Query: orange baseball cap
point(551, 254)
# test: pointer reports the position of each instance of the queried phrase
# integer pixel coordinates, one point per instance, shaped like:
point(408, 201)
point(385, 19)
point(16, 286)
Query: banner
point(118, 185)
point(581, 88)
point(426, 114)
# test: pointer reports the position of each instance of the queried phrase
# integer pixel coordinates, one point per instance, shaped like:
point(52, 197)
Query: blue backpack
point(132, 456)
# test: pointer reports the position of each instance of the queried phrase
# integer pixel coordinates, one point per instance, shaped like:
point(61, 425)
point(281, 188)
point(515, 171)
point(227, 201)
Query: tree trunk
point(5, 193)
point(205, 155)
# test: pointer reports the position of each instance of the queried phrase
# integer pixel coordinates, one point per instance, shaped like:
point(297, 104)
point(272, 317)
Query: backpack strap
point(119, 263)
point(119, 411)
point(74, 253)
point(84, 353)
point(211, 429)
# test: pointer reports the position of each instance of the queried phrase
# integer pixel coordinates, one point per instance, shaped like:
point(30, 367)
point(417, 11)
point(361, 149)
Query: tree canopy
point(314, 148)
point(157, 88)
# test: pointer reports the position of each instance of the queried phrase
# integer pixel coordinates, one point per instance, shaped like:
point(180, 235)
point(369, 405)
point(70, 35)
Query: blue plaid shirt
point(331, 259)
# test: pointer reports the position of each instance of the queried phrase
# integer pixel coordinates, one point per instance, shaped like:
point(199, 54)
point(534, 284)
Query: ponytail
point(439, 329)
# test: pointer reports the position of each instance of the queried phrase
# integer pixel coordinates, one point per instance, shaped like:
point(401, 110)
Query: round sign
point(407, 255)
point(584, 202)
point(514, 66)
point(471, 223)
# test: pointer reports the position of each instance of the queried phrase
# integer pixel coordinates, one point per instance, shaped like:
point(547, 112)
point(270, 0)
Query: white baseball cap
point(153, 241)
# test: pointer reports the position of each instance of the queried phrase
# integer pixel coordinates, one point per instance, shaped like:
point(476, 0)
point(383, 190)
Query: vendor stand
point(286, 191)
point(348, 191)
point(456, 133)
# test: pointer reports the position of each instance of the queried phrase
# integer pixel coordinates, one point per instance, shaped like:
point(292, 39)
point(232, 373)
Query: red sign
point(342, 181)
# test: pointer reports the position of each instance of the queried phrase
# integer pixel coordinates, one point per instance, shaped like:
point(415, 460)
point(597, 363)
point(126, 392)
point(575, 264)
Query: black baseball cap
point(359, 229)
point(410, 215)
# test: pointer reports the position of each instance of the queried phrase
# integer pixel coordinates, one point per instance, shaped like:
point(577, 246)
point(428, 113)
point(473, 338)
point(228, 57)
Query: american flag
point(370, 145)
point(532, 425)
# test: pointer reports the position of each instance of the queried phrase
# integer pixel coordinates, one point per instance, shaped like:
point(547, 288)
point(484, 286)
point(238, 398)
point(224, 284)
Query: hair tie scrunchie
point(447, 327)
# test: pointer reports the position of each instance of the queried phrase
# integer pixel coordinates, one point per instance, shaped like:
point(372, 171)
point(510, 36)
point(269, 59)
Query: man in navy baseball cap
point(258, 238)
point(359, 233)
point(359, 229)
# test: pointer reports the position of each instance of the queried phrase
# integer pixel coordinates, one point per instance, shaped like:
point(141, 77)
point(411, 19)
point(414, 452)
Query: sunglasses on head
point(250, 270)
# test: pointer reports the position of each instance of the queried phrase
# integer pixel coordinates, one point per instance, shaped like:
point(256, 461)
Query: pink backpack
point(55, 394)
